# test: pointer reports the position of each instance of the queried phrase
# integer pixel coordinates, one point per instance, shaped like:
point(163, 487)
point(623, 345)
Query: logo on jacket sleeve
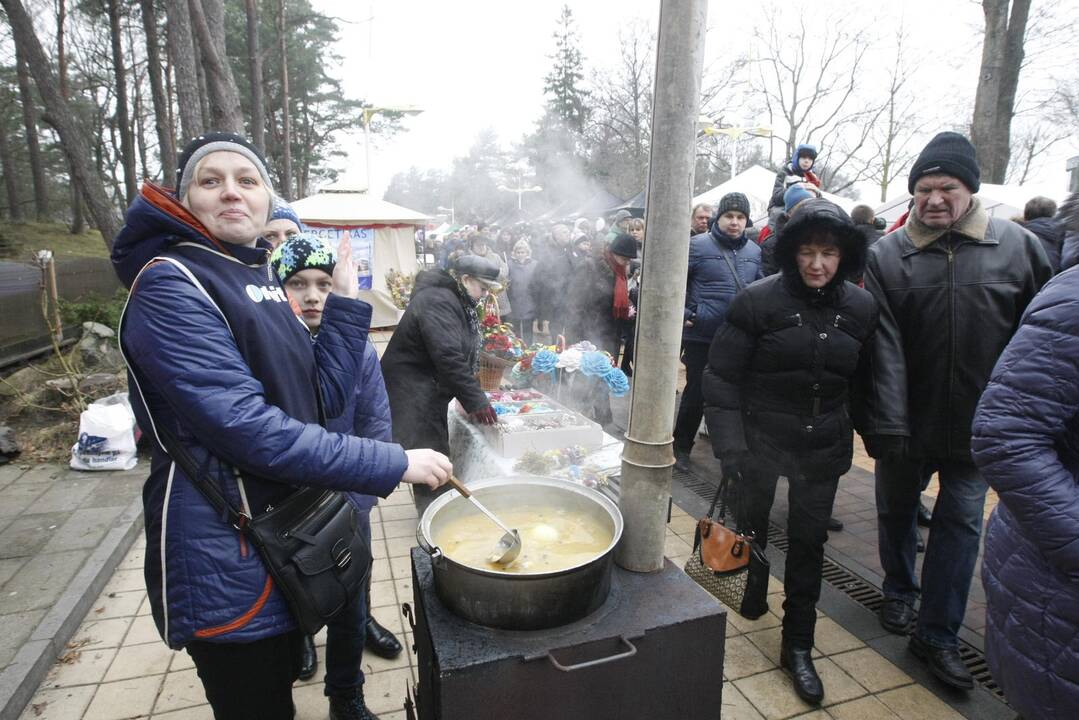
point(258, 294)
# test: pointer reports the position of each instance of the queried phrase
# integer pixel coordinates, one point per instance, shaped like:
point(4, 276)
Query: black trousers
point(810, 501)
point(250, 681)
point(691, 409)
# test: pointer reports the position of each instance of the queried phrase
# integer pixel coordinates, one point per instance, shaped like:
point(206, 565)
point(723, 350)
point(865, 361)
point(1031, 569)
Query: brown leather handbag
point(728, 563)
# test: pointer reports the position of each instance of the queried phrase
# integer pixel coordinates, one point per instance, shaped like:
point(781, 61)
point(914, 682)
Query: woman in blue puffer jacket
point(216, 354)
point(1026, 443)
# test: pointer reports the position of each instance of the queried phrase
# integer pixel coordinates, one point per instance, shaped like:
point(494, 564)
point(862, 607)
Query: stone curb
point(20, 680)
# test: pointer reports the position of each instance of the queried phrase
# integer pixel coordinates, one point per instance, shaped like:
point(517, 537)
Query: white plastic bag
point(106, 436)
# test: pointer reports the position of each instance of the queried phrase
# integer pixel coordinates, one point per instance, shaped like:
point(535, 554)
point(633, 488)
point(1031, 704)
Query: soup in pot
point(552, 539)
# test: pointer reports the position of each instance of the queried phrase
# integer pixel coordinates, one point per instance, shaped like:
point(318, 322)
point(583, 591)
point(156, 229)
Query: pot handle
point(598, 661)
point(434, 551)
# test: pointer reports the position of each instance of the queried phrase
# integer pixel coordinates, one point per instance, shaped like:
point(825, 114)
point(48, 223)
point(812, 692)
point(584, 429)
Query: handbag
point(729, 564)
point(311, 543)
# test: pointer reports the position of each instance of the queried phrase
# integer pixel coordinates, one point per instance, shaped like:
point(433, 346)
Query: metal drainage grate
point(864, 593)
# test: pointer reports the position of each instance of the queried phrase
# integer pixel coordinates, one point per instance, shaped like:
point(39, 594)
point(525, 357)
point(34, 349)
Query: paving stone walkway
point(117, 667)
point(61, 534)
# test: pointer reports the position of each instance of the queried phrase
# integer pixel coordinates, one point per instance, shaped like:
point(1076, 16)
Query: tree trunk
point(74, 139)
point(994, 104)
point(286, 127)
point(254, 59)
point(11, 187)
point(165, 142)
point(181, 47)
point(29, 121)
point(78, 221)
point(123, 115)
point(225, 113)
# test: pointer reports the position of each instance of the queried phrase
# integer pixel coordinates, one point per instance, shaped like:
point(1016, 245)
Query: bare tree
point(166, 142)
point(286, 125)
point(181, 48)
point(123, 118)
point(619, 126)
point(224, 97)
point(808, 80)
point(254, 60)
point(74, 138)
point(890, 150)
point(998, 80)
point(29, 121)
point(78, 222)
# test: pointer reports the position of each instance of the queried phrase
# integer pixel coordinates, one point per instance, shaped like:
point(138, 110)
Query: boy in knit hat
point(304, 264)
point(798, 170)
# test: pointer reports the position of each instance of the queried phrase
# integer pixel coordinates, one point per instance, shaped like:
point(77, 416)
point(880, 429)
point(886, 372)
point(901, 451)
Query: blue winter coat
point(1026, 442)
point(216, 353)
point(367, 414)
point(710, 285)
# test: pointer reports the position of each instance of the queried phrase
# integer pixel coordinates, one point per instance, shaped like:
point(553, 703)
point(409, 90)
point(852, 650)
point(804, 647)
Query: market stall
point(383, 237)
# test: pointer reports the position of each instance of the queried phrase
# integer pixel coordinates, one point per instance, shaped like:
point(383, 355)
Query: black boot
point(308, 658)
point(896, 616)
point(807, 683)
point(834, 524)
point(945, 663)
point(380, 641)
point(350, 708)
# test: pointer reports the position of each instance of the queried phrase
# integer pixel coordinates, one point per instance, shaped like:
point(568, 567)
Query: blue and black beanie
point(302, 252)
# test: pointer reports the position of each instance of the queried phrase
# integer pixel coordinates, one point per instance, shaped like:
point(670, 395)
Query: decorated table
point(535, 435)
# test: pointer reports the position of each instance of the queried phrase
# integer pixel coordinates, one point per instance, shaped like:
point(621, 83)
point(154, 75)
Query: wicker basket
point(492, 368)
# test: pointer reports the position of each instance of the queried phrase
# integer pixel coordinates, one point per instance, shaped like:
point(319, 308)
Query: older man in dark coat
point(952, 284)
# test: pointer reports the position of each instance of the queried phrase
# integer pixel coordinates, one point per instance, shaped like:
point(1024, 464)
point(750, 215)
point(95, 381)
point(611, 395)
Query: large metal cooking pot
point(521, 601)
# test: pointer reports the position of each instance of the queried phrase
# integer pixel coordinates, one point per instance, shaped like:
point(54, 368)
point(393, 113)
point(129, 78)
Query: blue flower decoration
point(545, 361)
point(595, 364)
point(617, 381)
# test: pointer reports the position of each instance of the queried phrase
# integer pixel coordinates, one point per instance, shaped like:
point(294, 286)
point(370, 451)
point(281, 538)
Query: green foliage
point(567, 100)
point(94, 308)
point(318, 109)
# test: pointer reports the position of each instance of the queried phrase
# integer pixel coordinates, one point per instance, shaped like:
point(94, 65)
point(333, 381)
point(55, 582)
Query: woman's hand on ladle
point(427, 467)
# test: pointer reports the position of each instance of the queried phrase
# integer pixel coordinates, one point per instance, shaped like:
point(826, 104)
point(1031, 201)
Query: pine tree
point(566, 99)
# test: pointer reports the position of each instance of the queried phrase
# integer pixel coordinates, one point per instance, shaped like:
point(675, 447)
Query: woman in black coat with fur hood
point(776, 393)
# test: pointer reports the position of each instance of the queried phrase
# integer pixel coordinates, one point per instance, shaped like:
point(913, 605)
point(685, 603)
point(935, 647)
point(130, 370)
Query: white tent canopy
point(756, 183)
point(383, 237)
point(1003, 201)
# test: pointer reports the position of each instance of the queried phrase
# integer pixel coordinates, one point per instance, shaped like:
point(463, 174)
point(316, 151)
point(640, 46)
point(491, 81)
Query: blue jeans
point(345, 637)
point(952, 550)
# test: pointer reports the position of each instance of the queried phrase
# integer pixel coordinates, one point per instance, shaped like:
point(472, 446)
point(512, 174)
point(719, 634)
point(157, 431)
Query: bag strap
point(197, 475)
point(719, 498)
point(734, 271)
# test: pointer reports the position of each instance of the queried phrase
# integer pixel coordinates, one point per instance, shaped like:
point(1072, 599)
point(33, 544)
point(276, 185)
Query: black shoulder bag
point(311, 543)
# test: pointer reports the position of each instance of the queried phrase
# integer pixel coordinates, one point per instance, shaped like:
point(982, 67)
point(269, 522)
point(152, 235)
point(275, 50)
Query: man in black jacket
point(952, 284)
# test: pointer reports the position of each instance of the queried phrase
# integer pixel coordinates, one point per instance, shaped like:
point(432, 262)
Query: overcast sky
point(474, 64)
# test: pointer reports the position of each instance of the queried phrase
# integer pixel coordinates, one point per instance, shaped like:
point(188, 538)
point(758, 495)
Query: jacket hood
point(155, 222)
point(818, 213)
point(427, 279)
point(797, 151)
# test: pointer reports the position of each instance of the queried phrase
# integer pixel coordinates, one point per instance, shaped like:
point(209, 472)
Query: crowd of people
point(934, 340)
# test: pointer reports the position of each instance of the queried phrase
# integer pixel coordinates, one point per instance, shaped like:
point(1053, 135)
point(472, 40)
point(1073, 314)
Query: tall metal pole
point(647, 457)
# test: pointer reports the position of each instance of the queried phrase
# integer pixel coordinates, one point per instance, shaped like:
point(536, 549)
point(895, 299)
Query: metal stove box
point(654, 650)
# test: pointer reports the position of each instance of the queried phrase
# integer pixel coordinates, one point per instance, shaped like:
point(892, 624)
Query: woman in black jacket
point(776, 394)
point(433, 356)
